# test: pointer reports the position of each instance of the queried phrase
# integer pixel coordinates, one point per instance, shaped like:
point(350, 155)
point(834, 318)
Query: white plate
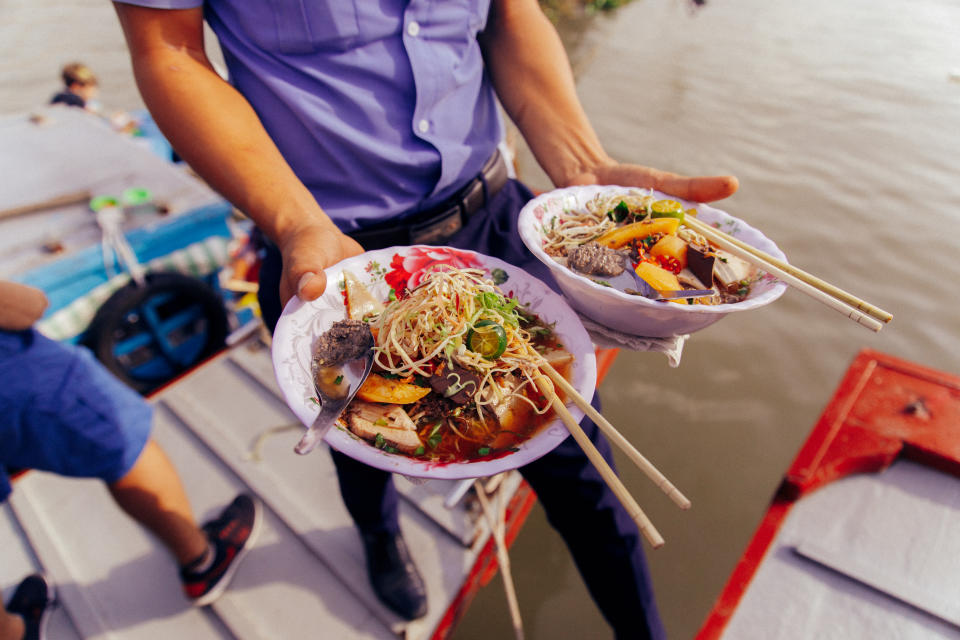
point(630, 313)
point(301, 323)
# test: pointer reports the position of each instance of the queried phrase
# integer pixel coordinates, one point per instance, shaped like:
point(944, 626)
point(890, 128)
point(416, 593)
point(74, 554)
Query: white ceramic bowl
point(630, 313)
point(302, 322)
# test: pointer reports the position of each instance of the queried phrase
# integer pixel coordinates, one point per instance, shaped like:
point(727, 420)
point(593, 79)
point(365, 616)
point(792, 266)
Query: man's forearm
point(533, 79)
point(217, 132)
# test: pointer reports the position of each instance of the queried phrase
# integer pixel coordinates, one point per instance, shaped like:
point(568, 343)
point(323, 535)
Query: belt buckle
point(438, 229)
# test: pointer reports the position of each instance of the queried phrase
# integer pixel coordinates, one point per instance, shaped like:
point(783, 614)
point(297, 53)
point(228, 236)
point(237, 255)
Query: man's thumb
point(311, 285)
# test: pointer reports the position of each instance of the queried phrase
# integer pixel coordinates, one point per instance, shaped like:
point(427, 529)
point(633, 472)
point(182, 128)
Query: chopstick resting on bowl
point(617, 438)
point(858, 310)
point(633, 509)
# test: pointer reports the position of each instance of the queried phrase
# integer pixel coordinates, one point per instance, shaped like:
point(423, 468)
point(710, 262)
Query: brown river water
point(842, 122)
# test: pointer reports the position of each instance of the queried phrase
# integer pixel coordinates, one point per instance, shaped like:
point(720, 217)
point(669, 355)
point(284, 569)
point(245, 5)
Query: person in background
point(351, 126)
point(61, 411)
point(80, 87)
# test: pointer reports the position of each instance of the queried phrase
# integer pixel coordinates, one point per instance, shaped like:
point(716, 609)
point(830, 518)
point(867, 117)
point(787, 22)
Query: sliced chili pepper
point(670, 263)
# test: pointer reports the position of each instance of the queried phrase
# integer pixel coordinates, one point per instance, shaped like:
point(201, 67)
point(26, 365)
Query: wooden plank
point(300, 509)
point(282, 590)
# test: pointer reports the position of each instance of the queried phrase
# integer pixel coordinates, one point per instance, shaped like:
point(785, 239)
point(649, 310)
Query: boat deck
point(862, 539)
point(227, 430)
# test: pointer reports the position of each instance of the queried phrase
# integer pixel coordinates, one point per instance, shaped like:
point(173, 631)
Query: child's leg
point(152, 494)
point(11, 626)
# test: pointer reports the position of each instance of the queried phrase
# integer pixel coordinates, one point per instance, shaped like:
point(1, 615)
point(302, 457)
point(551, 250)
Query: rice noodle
point(573, 228)
point(433, 320)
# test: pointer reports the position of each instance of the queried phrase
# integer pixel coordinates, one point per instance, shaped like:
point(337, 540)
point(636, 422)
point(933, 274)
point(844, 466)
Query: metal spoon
point(336, 385)
point(644, 288)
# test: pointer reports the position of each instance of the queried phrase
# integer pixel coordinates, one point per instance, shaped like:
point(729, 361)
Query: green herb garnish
point(433, 440)
point(619, 213)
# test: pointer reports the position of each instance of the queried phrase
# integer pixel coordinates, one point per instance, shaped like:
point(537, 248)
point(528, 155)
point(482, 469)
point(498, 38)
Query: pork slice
point(512, 410)
point(395, 426)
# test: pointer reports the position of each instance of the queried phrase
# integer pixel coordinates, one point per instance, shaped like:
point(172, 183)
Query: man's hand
point(698, 189)
point(20, 305)
point(530, 70)
point(306, 252)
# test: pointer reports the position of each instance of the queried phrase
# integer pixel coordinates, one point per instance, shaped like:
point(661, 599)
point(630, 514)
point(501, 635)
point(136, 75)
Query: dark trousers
point(605, 543)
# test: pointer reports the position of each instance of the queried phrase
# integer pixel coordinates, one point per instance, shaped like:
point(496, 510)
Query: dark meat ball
point(595, 259)
point(345, 340)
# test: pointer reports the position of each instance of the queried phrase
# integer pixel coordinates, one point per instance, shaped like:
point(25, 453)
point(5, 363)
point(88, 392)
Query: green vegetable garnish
point(435, 436)
point(619, 213)
point(483, 451)
point(338, 380)
point(506, 307)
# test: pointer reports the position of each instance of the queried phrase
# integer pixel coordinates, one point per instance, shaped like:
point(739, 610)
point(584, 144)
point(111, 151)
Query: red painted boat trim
point(605, 358)
point(883, 408)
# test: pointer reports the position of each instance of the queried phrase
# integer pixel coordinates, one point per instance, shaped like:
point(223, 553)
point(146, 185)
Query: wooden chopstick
point(854, 308)
point(617, 438)
point(497, 526)
point(836, 292)
point(633, 509)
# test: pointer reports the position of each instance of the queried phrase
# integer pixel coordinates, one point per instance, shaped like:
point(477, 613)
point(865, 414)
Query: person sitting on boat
point(80, 87)
point(361, 125)
point(61, 411)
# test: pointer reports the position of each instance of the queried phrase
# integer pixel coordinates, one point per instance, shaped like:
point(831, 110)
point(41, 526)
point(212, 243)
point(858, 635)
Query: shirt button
point(423, 126)
point(413, 28)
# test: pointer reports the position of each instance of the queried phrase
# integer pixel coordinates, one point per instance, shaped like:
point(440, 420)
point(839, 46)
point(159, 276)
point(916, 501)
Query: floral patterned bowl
point(395, 268)
point(635, 314)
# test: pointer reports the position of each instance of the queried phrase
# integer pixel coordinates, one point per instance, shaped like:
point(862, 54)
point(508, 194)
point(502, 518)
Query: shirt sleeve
point(164, 4)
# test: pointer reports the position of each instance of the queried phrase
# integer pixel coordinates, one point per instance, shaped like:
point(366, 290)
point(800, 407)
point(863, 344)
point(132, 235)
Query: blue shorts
point(62, 411)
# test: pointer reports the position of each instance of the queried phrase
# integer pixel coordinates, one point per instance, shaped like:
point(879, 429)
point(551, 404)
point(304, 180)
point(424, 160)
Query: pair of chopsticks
point(610, 477)
point(860, 311)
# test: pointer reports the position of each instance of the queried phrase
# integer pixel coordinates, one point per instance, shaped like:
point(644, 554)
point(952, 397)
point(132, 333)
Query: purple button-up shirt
point(381, 107)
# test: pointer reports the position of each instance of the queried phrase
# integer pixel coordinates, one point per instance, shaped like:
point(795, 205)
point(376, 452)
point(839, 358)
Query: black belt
point(439, 223)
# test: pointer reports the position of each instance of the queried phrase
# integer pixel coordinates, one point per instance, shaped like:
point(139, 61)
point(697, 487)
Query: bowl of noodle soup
point(383, 273)
point(612, 306)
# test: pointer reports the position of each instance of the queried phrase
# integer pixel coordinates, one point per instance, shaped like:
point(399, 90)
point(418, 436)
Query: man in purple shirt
point(352, 125)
